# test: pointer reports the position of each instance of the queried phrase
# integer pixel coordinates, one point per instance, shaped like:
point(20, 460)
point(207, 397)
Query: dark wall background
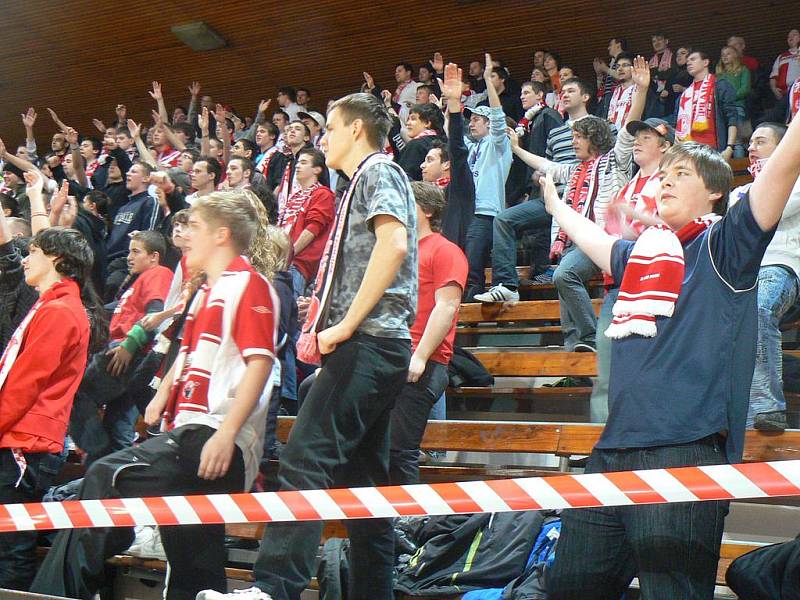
point(83, 57)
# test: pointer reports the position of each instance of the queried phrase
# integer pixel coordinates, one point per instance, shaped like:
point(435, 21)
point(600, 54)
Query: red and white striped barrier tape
point(626, 488)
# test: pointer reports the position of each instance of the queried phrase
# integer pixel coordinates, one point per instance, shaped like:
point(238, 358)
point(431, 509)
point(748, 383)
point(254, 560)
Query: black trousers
point(409, 418)
point(18, 550)
point(162, 466)
point(340, 439)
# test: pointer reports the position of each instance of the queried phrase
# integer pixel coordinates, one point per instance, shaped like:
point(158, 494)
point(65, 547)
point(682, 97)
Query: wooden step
point(529, 310)
point(521, 363)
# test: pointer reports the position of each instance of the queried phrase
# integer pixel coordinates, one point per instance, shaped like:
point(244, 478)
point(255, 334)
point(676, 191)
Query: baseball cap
point(660, 126)
point(312, 114)
point(481, 111)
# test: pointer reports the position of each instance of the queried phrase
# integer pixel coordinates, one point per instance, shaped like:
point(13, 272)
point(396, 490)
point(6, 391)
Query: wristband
point(39, 214)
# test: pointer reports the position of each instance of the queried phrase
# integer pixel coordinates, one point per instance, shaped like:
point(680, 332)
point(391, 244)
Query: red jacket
point(317, 217)
point(36, 397)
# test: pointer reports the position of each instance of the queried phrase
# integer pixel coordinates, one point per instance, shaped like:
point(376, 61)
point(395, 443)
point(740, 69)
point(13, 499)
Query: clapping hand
point(641, 72)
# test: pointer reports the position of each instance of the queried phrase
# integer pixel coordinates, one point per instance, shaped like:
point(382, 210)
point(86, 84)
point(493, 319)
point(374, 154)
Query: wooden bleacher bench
point(741, 175)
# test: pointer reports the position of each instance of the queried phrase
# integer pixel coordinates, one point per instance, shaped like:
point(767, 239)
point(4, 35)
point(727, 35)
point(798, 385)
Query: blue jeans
point(477, 248)
point(578, 321)
point(598, 405)
point(672, 548)
point(777, 293)
point(509, 226)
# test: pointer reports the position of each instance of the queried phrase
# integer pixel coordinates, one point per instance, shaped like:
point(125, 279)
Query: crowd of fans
point(487, 159)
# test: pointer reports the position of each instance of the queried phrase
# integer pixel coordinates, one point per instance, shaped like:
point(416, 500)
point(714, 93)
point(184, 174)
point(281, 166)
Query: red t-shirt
point(441, 262)
point(317, 216)
point(151, 285)
point(709, 135)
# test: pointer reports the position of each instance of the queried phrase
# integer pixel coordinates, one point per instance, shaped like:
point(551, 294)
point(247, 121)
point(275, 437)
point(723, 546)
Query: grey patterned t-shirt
point(383, 189)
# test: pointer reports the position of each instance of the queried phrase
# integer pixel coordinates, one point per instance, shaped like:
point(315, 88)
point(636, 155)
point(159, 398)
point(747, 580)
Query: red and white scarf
point(794, 100)
point(581, 191)
point(524, 124)
point(297, 204)
point(695, 108)
point(307, 345)
point(620, 105)
point(91, 167)
point(442, 182)
point(398, 91)
point(263, 164)
point(663, 63)
point(756, 166)
point(287, 188)
point(426, 133)
point(653, 278)
point(168, 157)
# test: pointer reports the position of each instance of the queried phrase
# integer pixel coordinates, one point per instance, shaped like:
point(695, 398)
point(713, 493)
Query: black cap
point(660, 126)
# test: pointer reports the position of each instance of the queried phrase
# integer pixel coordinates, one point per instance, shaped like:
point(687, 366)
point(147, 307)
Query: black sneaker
point(570, 382)
point(770, 421)
point(584, 347)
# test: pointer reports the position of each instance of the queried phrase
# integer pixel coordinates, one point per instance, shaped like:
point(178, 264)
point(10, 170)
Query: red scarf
point(580, 195)
point(285, 190)
point(653, 278)
point(263, 164)
point(307, 345)
point(755, 167)
point(168, 157)
point(295, 205)
point(695, 108)
point(92, 167)
point(442, 182)
point(620, 105)
point(643, 202)
point(794, 100)
point(524, 124)
point(398, 91)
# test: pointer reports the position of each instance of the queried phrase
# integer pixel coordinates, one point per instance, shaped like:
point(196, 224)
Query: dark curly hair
point(598, 132)
point(75, 260)
point(431, 114)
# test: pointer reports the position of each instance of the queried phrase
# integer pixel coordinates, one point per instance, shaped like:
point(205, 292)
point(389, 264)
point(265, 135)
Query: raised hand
point(2, 149)
point(263, 106)
point(194, 89)
point(387, 98)
point(434, 100)
point(156, 93)
point(220, 115)
point(489, 67)
point(513, 138)
point(549, 193)
point(33, 181)
point(238, 124)
point(134, 128)
point(99, 125)
point(157, 120)
point(122, 113)
point(59, 200)
point(57, 121)
point(438, 62)
point(69, 213)
point(451, 86)
point(72, 136)
point(641, 72)
point(369, 81)
point(202, 121)
point(29, 118)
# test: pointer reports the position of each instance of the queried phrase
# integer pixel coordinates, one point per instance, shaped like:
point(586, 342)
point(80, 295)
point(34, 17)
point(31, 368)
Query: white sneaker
point(498, 293)
point(252, 593)
point(147, 543)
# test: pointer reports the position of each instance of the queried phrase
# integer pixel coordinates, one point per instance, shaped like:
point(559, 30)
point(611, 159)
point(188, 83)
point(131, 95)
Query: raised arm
point(158, 96)
point(589, 237)
point(144, 154)
point(221, 116)
point(172, 139)
point(77, 159)
point(39, 217)
point(770, 190)
point(28, 120)
point(534, 161)
point(494, 98)
point(203, 123)
point(641, 78)
point(194, 90)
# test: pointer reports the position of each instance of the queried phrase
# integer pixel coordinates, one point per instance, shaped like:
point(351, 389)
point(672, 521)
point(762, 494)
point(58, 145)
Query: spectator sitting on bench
point(107, 376)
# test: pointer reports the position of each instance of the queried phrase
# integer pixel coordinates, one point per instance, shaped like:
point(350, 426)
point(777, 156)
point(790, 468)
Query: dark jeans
point(509, 226)
point(162, 466)
point(116, 430)
point(409, 418)
point(18, 550)
point(672, 548)
point(340, 439)
point(478, 249)
point(116, 272)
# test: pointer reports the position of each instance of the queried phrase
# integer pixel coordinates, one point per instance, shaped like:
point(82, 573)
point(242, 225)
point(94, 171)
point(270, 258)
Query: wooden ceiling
point(83, 57)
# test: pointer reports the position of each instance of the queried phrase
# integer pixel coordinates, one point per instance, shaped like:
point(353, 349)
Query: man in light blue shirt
point(489, 161)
